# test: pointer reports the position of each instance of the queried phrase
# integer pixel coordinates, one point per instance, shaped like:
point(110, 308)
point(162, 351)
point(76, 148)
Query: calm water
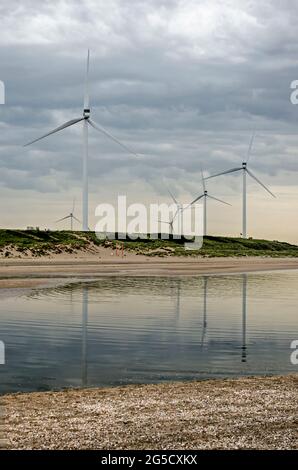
point(125, 330)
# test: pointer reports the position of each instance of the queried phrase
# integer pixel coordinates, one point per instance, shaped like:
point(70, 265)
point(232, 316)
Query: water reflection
point(204, 329)
point(84, 335)
point(123, 330)
point(244, 310)
point(244, 313)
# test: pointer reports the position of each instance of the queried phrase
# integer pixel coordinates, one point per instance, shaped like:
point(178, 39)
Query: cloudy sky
point(183, 82)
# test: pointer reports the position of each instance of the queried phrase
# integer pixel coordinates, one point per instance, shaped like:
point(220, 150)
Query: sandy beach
point(21, 273)
point(245, 413)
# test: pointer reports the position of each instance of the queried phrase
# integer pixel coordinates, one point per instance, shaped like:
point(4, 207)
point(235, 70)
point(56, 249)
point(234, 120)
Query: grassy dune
point(15, 243)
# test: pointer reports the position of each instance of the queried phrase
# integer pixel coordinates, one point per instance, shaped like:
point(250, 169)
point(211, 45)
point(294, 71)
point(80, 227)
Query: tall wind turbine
point(245, 171)
point(70, 216)
point(205, 195)
point(86, 122)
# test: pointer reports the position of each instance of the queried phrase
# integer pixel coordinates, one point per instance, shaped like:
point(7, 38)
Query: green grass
point(41, 242)
point(216, 247)
point(227, 246)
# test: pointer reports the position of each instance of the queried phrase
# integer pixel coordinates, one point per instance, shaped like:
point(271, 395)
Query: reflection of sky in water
point(124, 330)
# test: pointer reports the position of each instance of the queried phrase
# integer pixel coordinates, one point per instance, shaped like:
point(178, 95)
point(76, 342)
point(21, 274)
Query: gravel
point(245, 413)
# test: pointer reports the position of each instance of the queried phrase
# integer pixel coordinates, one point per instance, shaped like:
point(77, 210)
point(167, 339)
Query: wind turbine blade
point(173, 197)
point(60, 128)
point(250, 146)
point(104, 131)
point(203, 179)
point(175, 215)
point(260, 182)
point(63, 218)
point(73, 205)
point(86, 94)
point(232, 170)
point(196, 199)
point(163, 222)
point(219, 200)
point(76, 219)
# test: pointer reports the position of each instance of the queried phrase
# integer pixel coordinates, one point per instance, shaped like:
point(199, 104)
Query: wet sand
point(246, 413)
point(37, 272)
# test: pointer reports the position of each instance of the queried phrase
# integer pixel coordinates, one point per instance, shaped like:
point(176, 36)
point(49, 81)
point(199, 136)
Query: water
point(138, 330)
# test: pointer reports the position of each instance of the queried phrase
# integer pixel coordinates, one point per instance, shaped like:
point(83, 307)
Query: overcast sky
point(183, 82)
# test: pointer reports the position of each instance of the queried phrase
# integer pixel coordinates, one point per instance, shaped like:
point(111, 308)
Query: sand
point(246, 413)
point(38, 272)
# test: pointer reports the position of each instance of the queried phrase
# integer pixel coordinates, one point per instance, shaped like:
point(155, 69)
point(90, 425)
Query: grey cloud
point(183, 82)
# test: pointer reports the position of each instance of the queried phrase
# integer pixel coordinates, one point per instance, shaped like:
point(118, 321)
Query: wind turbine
point(205, 195)
point(245, 171)
point(70, 216)
point(86, 122)
point(170, 224)
point(176, 213)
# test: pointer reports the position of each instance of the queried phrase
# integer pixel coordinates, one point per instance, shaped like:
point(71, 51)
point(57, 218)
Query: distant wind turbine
point(70, 216)
point(205, 195)
point(245, 171)
point(86, 120)
point(176, 213)
point(169, 223)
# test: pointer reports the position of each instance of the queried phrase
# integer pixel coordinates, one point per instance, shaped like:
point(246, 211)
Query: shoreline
point(241, 413)
point(43, 273)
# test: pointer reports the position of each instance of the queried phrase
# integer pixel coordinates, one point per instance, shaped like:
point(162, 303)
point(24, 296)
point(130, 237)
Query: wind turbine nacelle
point(244, 165)
point(86, 113)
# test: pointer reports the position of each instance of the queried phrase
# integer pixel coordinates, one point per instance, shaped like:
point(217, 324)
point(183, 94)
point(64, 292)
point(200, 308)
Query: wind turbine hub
point(86, 113)
point(205, 192)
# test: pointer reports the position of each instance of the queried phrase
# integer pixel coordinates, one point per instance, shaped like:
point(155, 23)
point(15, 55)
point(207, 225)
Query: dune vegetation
point(22, 243)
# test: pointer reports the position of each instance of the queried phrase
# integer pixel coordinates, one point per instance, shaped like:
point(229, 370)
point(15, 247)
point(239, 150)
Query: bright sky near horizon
point(182, 82)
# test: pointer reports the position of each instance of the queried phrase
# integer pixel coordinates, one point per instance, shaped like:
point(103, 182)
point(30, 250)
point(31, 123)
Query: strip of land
point(33, 258)
point(246, 413)
point(45, 244)
point(39, 273)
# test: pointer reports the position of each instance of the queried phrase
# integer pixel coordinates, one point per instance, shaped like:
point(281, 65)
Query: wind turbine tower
point(86, 121)
point(245, 171)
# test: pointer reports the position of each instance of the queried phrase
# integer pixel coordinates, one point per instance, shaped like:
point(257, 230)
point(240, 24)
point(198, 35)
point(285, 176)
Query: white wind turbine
point(245, 171)
point(176, 213)
point(86, 122)
point(205, 195)
point(70, 216)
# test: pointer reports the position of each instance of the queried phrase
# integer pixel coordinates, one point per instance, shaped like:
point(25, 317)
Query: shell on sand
point(246, 413)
